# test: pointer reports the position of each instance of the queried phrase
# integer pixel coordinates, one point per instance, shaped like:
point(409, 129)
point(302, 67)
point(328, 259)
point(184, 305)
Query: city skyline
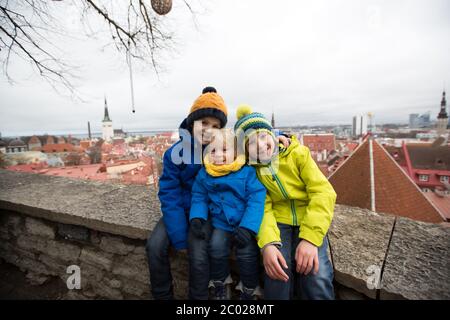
point(316, 63)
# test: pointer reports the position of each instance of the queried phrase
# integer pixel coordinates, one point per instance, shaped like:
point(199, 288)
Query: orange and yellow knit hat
point(208, 104)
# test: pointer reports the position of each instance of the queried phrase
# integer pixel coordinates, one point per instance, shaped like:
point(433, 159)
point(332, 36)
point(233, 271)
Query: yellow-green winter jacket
point(298, 194)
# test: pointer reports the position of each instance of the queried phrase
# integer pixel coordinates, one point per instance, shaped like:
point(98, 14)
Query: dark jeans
point(309, 287)
point(247, 259)
point(157, 247)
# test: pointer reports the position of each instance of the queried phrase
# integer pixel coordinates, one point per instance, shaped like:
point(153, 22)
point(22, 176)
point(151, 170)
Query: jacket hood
point(183, 125)
point(294, 144)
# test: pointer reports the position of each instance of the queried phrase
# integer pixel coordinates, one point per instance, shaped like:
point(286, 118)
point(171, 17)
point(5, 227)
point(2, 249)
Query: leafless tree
point(135, 29)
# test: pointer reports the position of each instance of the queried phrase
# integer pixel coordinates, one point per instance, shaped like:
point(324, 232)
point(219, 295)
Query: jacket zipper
point(285, 195)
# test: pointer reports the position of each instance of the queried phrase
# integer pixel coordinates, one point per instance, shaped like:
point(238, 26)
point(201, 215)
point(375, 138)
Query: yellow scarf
point(223, 169)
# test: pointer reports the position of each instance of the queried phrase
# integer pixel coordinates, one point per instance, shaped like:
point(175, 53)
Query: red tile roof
point(394, 191)
point(58, 147)
point(427, 156)
point(441, 202)
point(319, 142)
point(351, 145)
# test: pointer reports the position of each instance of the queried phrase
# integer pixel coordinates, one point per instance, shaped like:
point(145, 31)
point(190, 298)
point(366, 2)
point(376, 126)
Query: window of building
point(423, 177)
point(426, 190)
point(444, 179)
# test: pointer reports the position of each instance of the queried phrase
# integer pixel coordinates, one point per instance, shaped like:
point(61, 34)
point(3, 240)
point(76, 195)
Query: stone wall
point(111, 266)
point(387, 257)
point(50, 223)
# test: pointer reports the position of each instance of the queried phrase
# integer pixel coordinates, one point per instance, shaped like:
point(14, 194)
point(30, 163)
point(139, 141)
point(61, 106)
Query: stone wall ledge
point(378, 256)
point(126, 210)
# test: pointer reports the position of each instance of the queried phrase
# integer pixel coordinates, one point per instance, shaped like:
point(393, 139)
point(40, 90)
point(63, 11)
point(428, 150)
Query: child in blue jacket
point(181, 164)
point(230, 193)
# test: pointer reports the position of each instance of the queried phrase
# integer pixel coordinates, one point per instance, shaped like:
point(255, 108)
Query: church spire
point(443, 113)
point(106, 117)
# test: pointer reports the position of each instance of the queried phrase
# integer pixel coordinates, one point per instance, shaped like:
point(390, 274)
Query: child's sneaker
point(220, 290)
point(247, 293)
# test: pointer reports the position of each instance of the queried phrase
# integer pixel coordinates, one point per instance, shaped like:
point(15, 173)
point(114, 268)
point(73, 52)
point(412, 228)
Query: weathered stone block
point(36, 279)
point(35, 266)
point(140, 250)
point(11, 222)
point(359, 240)
point(136, 288)
point(39, 228)
point(97, 258)
point(418, 262)
point(114, 283)
point(53, 266)
point(90, 274)
point(102, 290)
point(24, 253)
point(132, 267)
point(32, 243)
point(63, 251)
point(114, 244)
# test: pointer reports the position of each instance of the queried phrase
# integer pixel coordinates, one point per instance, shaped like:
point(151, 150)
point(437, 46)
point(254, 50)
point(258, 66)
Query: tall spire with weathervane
point(107, 128)
point(442, 118)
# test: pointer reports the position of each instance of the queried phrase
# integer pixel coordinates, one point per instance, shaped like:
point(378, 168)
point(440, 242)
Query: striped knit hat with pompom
point(249, 122)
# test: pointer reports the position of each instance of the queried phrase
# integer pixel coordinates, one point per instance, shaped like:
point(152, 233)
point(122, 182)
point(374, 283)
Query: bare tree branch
point(135, 30)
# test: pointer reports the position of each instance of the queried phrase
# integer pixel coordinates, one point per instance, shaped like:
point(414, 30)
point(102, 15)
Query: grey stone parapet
point(388, 257)
point(47, 222)
point(126, 210)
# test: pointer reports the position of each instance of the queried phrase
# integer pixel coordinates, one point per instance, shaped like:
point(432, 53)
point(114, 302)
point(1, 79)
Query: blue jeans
point(309, 287)
point(157, 247)
point(247, 259)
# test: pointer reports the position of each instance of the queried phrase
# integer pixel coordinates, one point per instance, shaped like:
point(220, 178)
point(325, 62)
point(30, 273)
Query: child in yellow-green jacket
point(298, 212)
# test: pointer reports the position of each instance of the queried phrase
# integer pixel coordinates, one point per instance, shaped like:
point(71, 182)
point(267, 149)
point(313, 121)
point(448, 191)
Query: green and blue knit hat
point(251, 122)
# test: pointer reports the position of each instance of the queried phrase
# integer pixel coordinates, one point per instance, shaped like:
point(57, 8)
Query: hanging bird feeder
point(162, 7)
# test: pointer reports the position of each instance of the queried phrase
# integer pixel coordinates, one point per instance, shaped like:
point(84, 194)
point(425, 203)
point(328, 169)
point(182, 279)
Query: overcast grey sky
point(312, 62)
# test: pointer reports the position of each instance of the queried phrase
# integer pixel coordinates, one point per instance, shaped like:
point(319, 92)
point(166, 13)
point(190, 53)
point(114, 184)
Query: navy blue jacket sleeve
point(171, 198)
point(256, 197)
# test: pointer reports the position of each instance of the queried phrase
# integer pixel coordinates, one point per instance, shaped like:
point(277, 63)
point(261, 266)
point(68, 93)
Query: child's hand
point(242, 237)
point(273, 261)
point(307, 257)
point(284, 140)
point(197, 228)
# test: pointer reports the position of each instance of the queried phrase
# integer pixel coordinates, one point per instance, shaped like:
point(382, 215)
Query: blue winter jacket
point(175, 184)
point(234, 200)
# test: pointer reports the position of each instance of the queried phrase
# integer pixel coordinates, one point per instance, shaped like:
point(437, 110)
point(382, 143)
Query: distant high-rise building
point(419, 121)
point(414, 120)
point(273, 120)
point(107, 128)
point(424, 120)
point(442, 119)
point(359, 125)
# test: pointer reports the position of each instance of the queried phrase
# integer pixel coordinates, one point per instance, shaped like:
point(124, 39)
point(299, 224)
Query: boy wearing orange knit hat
point(182, 161)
